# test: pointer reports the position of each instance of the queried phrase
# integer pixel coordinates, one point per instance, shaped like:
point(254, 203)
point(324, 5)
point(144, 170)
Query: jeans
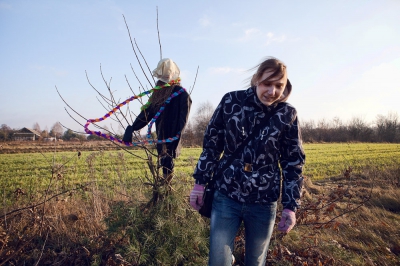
point(226, 218)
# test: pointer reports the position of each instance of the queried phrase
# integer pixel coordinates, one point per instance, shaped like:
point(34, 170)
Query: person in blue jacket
point(267, 168)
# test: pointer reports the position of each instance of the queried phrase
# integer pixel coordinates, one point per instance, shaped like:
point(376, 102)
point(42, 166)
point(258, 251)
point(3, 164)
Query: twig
point(195, 78)
point(113, 101)
point(41, 252)
point(159, 41)
point(102, 95)
point(59, 94)
point(138, 81)
point(339, 215)
point(44, 201)
point(15, 251)
point(130, 87)
point(4, 200)
point(133, 47)
point(144, 59)
point(74, 131)
point(73, 117)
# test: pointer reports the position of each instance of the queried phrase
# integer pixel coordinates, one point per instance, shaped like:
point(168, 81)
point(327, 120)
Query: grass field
point(94, 209)
point(322, 161)
point(32, 172)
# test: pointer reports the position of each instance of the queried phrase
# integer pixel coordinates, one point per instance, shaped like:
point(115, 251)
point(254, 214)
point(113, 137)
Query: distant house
point(26, 134)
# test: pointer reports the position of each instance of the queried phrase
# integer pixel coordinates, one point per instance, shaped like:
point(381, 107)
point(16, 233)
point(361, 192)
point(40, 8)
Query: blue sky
point(343, 57)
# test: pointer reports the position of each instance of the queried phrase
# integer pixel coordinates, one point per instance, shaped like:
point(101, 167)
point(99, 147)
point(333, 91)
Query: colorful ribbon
point(157, 115)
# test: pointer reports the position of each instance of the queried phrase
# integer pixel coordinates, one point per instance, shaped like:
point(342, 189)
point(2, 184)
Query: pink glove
point(196, 196)
point(288, 220)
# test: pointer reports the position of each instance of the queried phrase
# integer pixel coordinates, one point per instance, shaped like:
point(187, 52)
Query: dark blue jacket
point(275, 150)
point(171, 121)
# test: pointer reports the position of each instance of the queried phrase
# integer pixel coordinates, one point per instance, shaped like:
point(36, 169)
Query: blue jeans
point(226, 217)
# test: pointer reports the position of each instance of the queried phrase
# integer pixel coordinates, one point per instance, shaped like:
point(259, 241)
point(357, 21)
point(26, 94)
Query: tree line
point(57, 132)
point(383, 129)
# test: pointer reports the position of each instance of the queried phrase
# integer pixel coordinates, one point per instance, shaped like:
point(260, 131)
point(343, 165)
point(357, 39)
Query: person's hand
point(128, 134)
point(288, 220)
point(196, 196)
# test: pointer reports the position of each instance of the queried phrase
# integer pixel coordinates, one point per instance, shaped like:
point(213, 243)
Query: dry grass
point(98, 224)
point(67, 230)
point(364, 227)
point(351, 219)
point(46, 146)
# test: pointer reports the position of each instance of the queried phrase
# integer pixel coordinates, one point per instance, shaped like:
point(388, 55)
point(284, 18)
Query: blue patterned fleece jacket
point(274, 151)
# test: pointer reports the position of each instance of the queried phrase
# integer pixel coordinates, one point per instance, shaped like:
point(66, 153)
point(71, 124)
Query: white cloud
point(205, 21)
point(226, 70)
point(250, 34)
point(271, 37)
point(254, 34)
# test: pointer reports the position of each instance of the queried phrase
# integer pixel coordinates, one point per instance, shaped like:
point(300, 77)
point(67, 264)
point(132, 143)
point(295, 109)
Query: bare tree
point(359, 129)
point(203, 115)
point(122, 114)
point(188, 136)
point(388, 127)
point(45, 133)
point(36, 127)
point(57, 130)
point(5, 132)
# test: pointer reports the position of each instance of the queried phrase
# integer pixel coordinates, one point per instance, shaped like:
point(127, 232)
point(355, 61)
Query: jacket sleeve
point(143, 118)
point(140, 122)
point(213, 145)
point(292, 161)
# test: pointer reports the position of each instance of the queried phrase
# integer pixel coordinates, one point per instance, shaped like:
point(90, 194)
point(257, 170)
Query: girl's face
point(269, 91)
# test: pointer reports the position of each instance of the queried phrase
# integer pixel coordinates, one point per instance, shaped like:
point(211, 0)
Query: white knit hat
point(166, 70)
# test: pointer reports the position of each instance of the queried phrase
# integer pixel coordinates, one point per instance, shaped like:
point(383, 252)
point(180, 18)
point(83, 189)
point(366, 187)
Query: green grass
point(327, 160)
point(32, 172)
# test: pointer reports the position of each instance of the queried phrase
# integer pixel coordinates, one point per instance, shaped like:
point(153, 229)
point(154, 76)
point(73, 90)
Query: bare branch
point(44, 244)
point(137, 77)
point(144, 59)
point(77, 132)
point(159, 41)
point(44, 201)
point(108, 87)
point(137, 58)
point(102, 96)
point(195, 78)
point(113, 101)
point(69, 105)
point(97, 126)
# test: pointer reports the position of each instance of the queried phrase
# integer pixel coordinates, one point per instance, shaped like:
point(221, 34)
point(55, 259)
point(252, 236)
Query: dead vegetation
point(13, 147)
point(352, 219)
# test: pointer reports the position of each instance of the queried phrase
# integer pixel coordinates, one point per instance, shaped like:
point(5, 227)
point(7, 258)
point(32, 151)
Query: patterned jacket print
point(275, 150)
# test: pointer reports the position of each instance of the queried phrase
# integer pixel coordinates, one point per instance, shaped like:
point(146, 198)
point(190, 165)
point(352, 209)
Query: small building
point(26, 134)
